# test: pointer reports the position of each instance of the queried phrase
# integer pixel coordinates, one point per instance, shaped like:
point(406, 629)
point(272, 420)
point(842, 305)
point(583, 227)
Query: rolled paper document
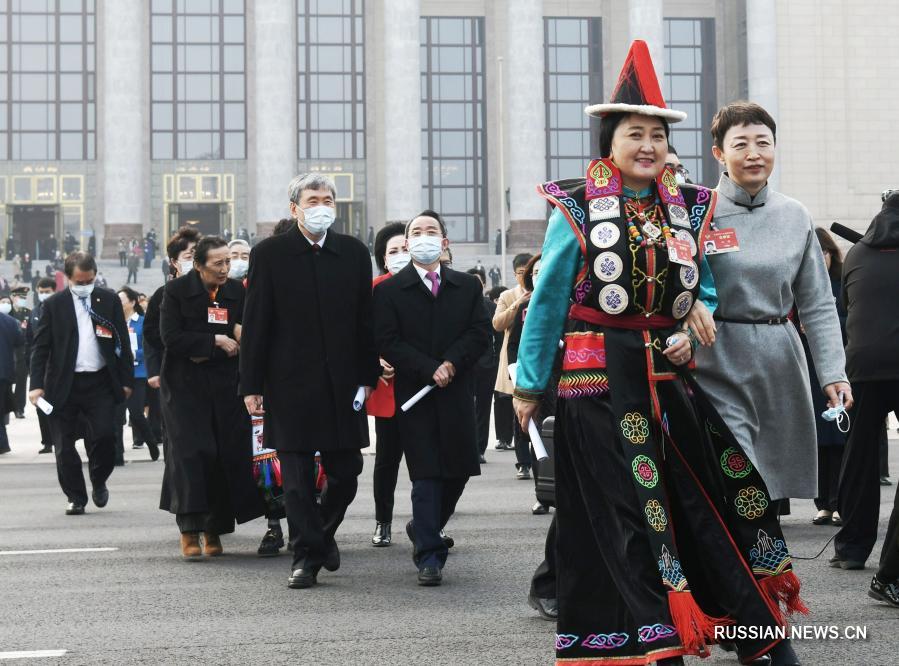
point(359, 400)
point(533, 430)
point(410, 403)
point(44, 406)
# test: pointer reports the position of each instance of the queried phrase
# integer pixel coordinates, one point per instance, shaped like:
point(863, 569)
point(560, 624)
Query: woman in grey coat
point(751, 362)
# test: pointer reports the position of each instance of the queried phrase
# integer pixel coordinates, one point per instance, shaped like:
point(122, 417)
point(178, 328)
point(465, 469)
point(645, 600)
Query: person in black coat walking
point(208, 467)
point(307, 348)
point(432, 327)
point(11, 339)
point(45, 289)
point(870, 285)
point(82, 365)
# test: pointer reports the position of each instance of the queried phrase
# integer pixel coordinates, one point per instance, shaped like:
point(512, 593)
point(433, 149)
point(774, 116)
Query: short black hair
point(737, 114)
point(181, 241)
point(521, 260)
point(207, 243)
point(46, 283)
point(494, 292)
point(80, 260)
point(284, 225)
point(132, 296)
point(610, 122)
point(384, 234)
point(427, 212)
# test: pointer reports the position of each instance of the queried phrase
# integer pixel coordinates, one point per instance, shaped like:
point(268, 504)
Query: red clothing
point(380, 402)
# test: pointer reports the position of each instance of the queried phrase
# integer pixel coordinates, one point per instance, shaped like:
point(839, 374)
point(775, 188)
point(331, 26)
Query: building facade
point(121, 117)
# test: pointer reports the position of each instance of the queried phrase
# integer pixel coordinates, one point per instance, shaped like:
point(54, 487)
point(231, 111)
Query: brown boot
point(190, 546)
point(213, 544)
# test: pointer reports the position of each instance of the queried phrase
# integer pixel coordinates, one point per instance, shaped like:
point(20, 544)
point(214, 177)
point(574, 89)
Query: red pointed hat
point(637, 90)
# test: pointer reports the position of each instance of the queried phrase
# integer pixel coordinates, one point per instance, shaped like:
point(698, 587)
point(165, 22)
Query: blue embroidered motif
point(670, 568)
point(605, 641)
point(565, 641)
point(654, 632)
point(696, 215)
point(770, 556)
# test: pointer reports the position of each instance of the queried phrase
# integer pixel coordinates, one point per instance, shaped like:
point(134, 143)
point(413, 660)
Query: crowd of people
point(688, 342)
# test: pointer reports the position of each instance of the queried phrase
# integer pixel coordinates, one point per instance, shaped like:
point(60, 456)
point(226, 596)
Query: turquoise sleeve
point(707, 292)
point(548, 308)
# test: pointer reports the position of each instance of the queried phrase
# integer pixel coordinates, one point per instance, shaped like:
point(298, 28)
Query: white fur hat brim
point(671, 115)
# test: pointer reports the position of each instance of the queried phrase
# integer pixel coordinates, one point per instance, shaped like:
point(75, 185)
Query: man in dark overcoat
point(432, 326)
point(306, 350)
point(82, 364)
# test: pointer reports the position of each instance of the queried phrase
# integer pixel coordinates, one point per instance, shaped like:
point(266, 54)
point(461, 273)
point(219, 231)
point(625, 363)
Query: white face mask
point(426, 249)
point(239, 268)
point(5, 308)
point(82, 290)
point(43, 297)
point(679, 177)
point(185, 267)
point(21, 303)
point(397, 262)
point(318, 219)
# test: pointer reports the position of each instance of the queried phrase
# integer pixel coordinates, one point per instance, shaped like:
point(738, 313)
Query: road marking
point(32, 654)
point(56, 550)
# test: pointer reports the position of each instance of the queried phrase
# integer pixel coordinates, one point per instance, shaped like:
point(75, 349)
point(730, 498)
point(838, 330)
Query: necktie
point(316, 247)
point(435, 282)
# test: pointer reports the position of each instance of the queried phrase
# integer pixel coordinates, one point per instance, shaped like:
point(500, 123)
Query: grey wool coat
point(756, 374)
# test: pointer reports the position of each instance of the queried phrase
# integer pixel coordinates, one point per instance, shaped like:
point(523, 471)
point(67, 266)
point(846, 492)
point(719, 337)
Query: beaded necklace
point(654, 227)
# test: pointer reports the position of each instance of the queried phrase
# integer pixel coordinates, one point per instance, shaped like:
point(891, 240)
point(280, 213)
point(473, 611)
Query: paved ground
point(141, 604)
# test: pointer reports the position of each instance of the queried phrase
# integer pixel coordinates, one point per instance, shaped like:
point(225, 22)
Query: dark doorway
point(31, 229)
point(207, 218)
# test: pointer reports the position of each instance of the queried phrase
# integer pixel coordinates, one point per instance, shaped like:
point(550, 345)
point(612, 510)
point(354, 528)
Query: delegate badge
point(216, 316)
point(102, 332)
point(720, 241)
point(679, 252)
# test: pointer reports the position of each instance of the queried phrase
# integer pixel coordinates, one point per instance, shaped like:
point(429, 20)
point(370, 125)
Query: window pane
point(71, 146)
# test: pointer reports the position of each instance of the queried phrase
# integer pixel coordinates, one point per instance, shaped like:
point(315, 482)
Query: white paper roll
point(44, 406)
point(537, 442)
point(410, 403)
point(359, 400)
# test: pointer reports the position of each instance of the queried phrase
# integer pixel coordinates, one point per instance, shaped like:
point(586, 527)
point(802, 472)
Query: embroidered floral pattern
point(635, 428)
point(670, 568)
point(655, 515)
point(645, 471)
point(751, 503)
point(735, 464)
point(769, 557)
point(653, 632)
point(565, 641)
point(582, 383)
point(605, 641)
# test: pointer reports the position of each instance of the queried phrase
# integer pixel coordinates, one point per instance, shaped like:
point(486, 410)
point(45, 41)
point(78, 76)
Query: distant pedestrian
point(133, 266)
point(11, 340)
point(123, 252)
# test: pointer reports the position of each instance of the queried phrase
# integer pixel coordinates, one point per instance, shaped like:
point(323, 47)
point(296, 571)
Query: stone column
point(274, 102)
point(524, 123)
point(123, 156)
point(647, 22)
point(402, 110)
point(761, 65)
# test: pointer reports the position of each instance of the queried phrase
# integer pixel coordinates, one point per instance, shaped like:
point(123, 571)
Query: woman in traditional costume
point(664, 528)
point(751, 362)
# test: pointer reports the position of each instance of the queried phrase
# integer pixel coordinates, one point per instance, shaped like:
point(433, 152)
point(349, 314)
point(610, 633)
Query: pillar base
point(112, 233)
point(526, 235)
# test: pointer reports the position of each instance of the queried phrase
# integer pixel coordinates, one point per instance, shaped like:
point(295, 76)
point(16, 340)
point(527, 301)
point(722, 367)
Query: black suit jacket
point(153, 347)
point(307, 341)
point(56, 346)
point(416, 333)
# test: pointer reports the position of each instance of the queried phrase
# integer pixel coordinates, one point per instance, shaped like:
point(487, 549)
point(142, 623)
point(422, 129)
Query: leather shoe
point(838, 562)
point(429, 577)
point(153, 447)
point(46, 449)
point(412, 539)
point(332, 559)
point(190, 546)
point(885, 592)
point(540, 509)
point(548, 609)
point(783, 654)
point(302, 578)
point(272, 542)
point(20, 415)
point(73, 509)
point(381, 537)
point(482, 459)
point(448, 541)
point(100, 495)
point(212, 544)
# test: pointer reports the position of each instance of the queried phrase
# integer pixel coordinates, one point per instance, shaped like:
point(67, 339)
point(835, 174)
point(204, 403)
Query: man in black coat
point(83, 366)
point(11, 340)
point(22, 314)
point(432, 326)
point(45, 288)
point(307, 348)
point(870, 285)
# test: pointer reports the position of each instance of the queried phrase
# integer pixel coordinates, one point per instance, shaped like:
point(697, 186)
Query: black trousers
point(141, 431)
point(388, 454)
point(485, 379)
point(859, 496)
point(543, 583)
point(889, 556)
point(21, 392)
point(313, 529)
point(830, 459)
point(154, 413)
point(90, 402)
point(503, 416)
point(214, 522)
point(43, 422)
point(522, 445)
point(433, 503)
point(4, 418)
point(884, 447)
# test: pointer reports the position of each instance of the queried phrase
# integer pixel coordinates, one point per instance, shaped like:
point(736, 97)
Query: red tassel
point(277, 465)
point(693, 626)
point(783, 591)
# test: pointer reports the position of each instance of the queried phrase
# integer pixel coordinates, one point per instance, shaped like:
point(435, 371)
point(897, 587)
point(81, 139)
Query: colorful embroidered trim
point(582, 384)
point(565, 641)
point(655, 515)
point(605, 641)
point(645, 471)
point(653, 632)
point(635, 428)
point(735, 464)
point(526, 395)
point(751, 503)
point(584, 351)
point(670, 568)
point(668, 189)
point(769, 557)
point(603, 179)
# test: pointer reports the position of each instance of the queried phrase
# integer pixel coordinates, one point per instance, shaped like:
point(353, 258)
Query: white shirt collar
point(320, 242)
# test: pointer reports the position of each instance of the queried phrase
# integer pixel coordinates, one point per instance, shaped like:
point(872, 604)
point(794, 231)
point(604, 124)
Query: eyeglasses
point(678, 168)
